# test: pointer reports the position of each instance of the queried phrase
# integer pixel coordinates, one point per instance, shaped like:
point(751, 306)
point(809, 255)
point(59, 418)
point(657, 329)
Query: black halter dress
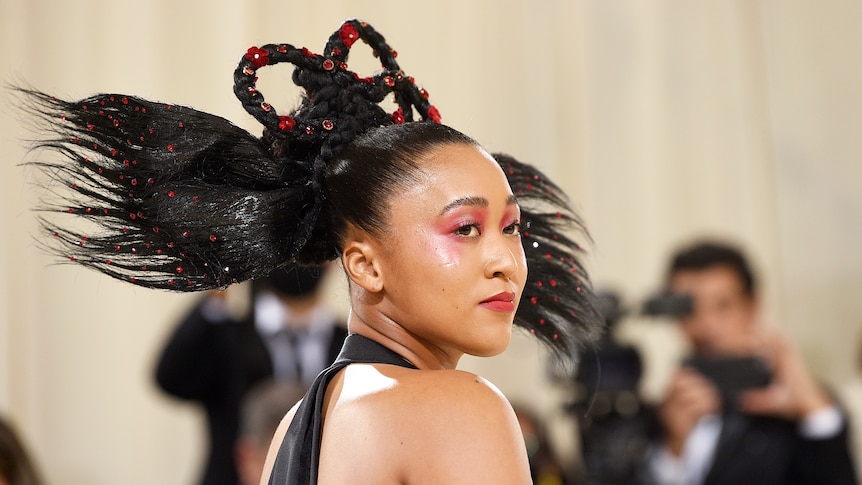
point(299, 455)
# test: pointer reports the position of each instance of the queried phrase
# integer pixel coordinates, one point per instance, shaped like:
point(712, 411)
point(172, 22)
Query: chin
point(492, 346)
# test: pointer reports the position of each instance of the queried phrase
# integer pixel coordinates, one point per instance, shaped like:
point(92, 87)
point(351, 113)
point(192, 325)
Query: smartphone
point(732, 375)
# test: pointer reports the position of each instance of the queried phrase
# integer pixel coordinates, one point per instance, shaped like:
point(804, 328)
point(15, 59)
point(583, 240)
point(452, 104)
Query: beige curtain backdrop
point(664, 120)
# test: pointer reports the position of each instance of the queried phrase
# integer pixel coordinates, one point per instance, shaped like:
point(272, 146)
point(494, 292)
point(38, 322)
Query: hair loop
point(338, 104)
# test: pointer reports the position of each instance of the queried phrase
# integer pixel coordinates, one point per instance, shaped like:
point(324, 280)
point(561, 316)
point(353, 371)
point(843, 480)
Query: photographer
point(744, 409)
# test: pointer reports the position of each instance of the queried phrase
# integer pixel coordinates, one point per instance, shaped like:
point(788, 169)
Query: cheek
point(446, 251)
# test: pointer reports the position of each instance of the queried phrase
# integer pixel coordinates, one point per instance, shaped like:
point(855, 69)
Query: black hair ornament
point(183, 200)
point(174, 198)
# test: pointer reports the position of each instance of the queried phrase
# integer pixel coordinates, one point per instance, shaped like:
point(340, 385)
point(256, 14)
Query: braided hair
point(175, 198)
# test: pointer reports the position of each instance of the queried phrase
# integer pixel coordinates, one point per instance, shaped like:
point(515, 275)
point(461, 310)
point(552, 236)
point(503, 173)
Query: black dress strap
point(299, 455)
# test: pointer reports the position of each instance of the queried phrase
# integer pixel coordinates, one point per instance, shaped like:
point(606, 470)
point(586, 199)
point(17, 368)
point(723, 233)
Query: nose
point(702, 330)
point(503, 260)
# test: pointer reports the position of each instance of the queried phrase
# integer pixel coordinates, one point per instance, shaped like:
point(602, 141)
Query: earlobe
point(360, 263)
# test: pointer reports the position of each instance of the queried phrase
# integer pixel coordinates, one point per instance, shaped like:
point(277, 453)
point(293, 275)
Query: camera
point(732, 375)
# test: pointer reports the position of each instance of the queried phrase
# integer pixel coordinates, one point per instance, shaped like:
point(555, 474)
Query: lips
point(501, 302)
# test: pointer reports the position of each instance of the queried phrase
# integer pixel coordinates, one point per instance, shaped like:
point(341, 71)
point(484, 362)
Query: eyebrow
point(474, 202)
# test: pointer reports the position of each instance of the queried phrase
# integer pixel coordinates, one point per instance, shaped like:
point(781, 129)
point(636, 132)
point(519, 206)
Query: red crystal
point(257, 56)
point(286, 123)
point(171, 193)
point(434, 114)
point(213, 238)
point(171, 148)
point(348, 34)
point(328, 64)
point(327, 125)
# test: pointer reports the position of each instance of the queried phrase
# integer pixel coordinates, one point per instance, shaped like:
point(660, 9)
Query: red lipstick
point(501, 302)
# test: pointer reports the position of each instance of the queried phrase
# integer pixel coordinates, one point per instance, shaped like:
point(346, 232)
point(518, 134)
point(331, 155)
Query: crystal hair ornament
point(175, 198)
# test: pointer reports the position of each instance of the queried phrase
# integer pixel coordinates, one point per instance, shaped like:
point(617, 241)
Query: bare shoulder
point(463, 418)
point(463, 392)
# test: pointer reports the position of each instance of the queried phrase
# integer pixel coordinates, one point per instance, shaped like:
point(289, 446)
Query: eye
point(513, 229)
point(468, 230)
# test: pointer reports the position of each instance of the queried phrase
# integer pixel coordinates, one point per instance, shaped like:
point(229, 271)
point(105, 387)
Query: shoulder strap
point(299, 454)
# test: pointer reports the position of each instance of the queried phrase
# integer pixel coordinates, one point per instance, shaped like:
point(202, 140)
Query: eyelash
point(514, 227)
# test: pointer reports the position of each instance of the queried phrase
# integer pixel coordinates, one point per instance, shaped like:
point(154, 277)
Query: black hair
point(361, 178)
point(704, 255)
point(178, 199)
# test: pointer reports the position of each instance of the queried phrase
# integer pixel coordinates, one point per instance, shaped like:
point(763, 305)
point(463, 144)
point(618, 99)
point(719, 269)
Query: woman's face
point(452, 262)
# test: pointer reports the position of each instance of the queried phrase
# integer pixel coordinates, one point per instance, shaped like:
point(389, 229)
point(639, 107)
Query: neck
point(396, 338)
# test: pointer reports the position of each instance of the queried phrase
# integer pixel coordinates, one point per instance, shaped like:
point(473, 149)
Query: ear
point(360, 260)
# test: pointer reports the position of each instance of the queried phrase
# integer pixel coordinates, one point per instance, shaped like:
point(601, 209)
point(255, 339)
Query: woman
point(431, 231)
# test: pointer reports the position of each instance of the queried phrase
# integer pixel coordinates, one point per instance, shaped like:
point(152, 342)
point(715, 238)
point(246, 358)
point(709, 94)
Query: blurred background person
point(262, 410)
point(16, 466)
point(851, 395)
point(214, 359)
point(545, 466)
point(744, 408)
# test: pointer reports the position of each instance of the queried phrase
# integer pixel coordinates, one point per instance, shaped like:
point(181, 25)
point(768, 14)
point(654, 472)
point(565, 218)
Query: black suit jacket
point(216, 364)
point(763, 451)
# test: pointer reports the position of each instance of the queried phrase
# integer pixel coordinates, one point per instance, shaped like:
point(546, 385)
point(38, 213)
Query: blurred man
point(744, 409)
point(214, 360)
point(262, 410)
